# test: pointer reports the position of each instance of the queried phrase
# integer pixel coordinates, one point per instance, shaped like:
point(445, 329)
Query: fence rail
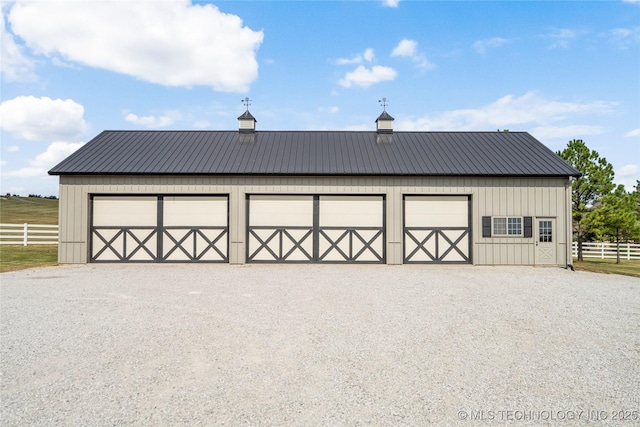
point(606, 250)
point(28, 234)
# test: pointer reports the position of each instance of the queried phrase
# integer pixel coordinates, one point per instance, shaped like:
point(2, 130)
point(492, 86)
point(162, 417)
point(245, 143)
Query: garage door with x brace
point(437, 229)
point(314, 228)
point(159, 229)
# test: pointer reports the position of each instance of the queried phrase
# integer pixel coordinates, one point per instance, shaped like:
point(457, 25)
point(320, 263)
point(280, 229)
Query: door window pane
point(545, 231)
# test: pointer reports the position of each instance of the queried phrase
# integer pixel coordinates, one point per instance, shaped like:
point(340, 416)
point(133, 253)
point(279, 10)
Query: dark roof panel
point(314, 153)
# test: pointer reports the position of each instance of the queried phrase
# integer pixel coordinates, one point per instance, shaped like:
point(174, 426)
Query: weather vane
point(384, 103)
point(246, 102)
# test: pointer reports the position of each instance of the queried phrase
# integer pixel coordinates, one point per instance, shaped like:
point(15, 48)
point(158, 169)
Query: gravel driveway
point(318, 345)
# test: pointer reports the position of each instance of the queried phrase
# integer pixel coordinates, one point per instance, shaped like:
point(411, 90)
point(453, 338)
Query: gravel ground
point(318, 345)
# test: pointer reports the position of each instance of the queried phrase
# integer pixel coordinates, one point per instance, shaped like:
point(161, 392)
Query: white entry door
point(546, 241)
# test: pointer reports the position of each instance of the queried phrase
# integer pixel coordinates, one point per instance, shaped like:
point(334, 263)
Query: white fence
point(28, 234)
point(604, 250)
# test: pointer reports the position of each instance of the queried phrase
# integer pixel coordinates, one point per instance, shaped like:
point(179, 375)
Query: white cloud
point(406, 47)
point(621, 33)
point(562, 38)
point(154, 122)
point(171, 42)
point(13, 148)
point(568, 131)
point(39, 165)
point(627, 175)
point(14, 65)
point(344, 61)
point(624, 37)
point(364, 77)
point(42, 119)
point(635, 132)
point(3, 163)
point(368, 55)
point(481, 46)
point(331, 110)
point(530, 109)
point(409, 49)
point(390, 3)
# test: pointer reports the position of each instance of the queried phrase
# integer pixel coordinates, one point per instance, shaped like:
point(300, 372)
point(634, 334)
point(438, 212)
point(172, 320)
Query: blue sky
point(559, 70)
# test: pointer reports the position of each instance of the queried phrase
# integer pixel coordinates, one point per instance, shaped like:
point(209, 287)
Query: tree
point(596, 181)
point(616, 217)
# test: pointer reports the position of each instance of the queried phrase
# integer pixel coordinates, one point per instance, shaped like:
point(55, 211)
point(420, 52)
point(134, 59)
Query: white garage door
point(436, 229)
point(303, 228)
point(159, 229)
point(280, 229)
point(194, 228)
point(351, 229)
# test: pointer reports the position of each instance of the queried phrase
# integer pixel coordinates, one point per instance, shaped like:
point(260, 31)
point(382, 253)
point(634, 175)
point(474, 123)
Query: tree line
point(601, 210)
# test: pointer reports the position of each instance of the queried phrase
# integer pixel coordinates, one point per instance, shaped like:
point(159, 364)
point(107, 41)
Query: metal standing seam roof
point(314, 153)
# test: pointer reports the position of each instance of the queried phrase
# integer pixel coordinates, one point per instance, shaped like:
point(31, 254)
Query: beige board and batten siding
point(509, 196)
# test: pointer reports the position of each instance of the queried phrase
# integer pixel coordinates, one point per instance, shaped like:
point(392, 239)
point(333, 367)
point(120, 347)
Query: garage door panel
point(297, 244)
point(196, 244)
point(440, 211)
point(194, 211)
point(281, 211)
point(346, 211)
point(107, 244)
point(211, 245)
point(125, 211)
point(141, 245)
point(436, 229)
point(367, 244)
point(176, 244)
point(351, 245)
point(420, 245)
point(334, 245)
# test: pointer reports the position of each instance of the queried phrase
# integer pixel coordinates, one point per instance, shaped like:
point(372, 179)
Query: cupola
point(384, 122)
point(246, 122)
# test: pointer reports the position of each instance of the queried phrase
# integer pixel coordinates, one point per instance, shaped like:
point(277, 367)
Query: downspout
point(569, 221)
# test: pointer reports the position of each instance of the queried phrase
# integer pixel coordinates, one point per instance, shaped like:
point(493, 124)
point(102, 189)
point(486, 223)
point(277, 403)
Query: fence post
point(628, 251)
point(24, 241)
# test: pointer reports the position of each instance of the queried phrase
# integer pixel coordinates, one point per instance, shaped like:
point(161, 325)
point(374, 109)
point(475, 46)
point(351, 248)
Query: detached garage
point(315, 197)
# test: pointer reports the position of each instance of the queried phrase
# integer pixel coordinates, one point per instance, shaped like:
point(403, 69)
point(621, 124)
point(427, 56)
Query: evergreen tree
point(596, 181)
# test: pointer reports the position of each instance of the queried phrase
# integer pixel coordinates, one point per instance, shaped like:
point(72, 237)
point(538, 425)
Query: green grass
point(609, 266)
point(32, 210)
point(14, 257)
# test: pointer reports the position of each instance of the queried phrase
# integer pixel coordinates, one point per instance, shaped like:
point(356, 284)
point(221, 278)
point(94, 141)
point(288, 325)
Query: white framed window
point(507, 226)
